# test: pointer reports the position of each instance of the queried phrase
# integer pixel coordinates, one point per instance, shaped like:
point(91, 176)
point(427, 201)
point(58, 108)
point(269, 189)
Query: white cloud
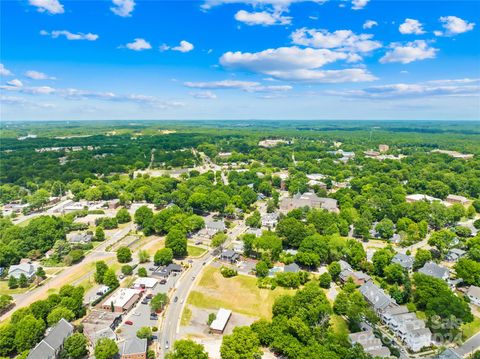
point(411, 26)
point(78, 95)
point(123, 8)
point(184, 46)
point(279, 4)
point(369, 24)
point(264, 18)
point(401, 90)
point(36, 75)
point(295, 64)
point(344, 40)
point(15, 83)
point(50, 6)
point(359, 4)
point(209, 95)
point(412, 51)
point(69, 35)
point(454, 26)
point(248, 86)
point(4, 71)
point(224, 84)
point(138, 44)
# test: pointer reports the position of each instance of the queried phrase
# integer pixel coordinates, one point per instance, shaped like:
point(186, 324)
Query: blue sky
point(235, 59)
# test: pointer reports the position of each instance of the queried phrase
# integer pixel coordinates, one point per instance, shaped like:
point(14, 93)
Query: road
point(40, 292)
point(173, 313)
point(469, 346)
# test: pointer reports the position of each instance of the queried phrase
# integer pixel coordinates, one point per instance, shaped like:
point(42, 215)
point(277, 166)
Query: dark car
point(176, 299)
point(153, 316)
point(163, 281)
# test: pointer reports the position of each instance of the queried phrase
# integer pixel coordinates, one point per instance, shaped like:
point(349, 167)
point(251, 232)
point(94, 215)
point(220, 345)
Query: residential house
point(291, 268)
point(404, 260)
point(122, 300)
point(256, 231)
point(455, 254)
point(213, 227)
point(269, 220)
point(166, 271)
point(376, 297)
point(371, 344)
point(133, 348)
point(221, 320)
point(473, 294)
point(417, 339)
point(79, 238)
point(229, 255)
point(26, 269)
point(434, 270)
point(52, 344)
point(358, 277)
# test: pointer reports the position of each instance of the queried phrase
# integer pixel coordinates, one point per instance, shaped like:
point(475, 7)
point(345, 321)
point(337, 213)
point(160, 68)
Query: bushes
point(228, 272)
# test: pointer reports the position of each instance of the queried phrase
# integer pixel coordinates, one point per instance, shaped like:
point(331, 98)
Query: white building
point(474, 294)
point(269, 220)
point(221, 320)
point(26, 269)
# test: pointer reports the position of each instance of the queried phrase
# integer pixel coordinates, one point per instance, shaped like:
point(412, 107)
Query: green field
point(194, 251)
point(470, 329)
point(5, 290)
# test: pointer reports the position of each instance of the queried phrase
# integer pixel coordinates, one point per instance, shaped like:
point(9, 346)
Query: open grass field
point(5, 290)
point(339, 325)
point(194, 251)
point(239, 294)
point(186, 316)
point(470, 329)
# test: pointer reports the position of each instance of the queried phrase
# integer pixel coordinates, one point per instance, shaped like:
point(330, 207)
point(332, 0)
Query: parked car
point(163, 281)
point(129, 322)
point(153, 316)
point(166, 345)
point(176, 299)
point(145, 301)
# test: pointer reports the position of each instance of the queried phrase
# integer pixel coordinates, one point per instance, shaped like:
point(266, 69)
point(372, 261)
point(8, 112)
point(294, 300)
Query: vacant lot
point(194, 251)
point(239, 294)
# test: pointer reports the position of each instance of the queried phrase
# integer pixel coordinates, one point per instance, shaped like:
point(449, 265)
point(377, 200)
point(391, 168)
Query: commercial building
point(308, 199)
point(101, 324)
point(133, 348)
point(451, 198)
point(122, 300)
point(221, 320)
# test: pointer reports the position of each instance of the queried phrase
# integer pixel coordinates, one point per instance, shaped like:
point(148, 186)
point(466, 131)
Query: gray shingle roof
point(434, 270)
point(404, 260)
point(134, 346)
point(376, 296)
point(291, 268)
point(52, 342)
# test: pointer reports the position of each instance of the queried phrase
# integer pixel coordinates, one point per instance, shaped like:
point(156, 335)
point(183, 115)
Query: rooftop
point(221, 320)
point(133, 345)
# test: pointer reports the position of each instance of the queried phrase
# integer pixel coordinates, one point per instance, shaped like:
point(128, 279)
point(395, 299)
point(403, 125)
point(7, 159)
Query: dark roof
point(48, 347)
point(291, 268)
point(174, 267)
point(404, 260)
point(228, 253)
point(449, 354)
point(434, 270)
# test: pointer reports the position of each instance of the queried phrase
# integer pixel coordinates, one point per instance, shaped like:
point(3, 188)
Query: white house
point(269, 220)
point(17, 270)
point(473, 294)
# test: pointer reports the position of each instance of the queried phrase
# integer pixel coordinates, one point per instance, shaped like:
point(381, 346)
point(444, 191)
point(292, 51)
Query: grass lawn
point(5, 290)
point(239, 294)
point(186, 316)
point(194, 251)
point(158, 243)
point(339, 325)
point(470, 329)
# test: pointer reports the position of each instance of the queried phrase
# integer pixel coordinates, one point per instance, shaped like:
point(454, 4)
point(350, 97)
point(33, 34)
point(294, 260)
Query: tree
point(124, 255)
point(7, 339)
point(59, 313)
point(144, 218)
point(75, 347)
point(123, 216)
point(101, 268)
point(211, 318)
point(334, 269)
point(381, 258)
point(110, 279)
point(12, 282)
point(394, 273)
point(421, 257)
point(106, 348)
point(385, 228)
point(99, 234)
point(40, 273)
point(127, 269)
point(292, 231)
point(177, 242)
point(324, 280)
point(442, 240)
point(163, 257)
point(218, 239)
point(29, 331)
point(469, 271)
point(39, 198)
point(142, 272)
point(158, 302)
point(187, 349)
point(254, 220)
point(261, 268)
point(145, 333)
point(5, 302)
point(243, 343)
point(143, 256)
point(22, 281)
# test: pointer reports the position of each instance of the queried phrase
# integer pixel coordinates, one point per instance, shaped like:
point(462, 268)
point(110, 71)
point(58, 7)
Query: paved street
point(469, 346)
